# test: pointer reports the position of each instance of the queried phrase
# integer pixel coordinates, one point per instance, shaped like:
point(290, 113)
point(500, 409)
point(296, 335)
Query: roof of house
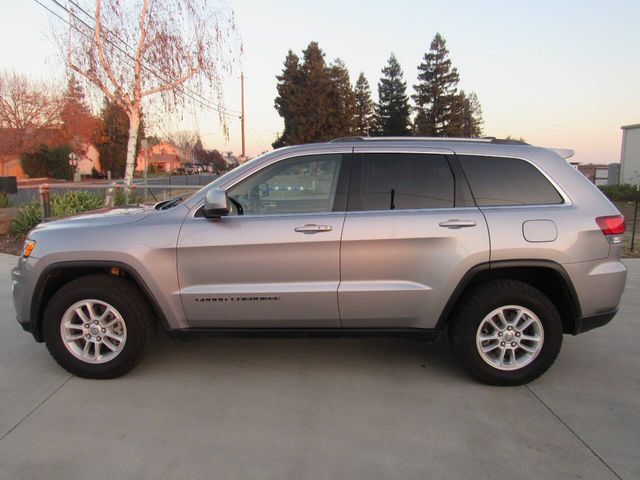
point(14, 141)
point(628, 127)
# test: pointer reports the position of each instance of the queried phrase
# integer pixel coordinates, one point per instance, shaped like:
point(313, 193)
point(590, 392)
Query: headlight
point(28, 247)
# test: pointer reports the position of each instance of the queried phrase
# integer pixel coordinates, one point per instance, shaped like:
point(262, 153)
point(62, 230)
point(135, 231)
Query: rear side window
point(401, 181)
point(499, 181)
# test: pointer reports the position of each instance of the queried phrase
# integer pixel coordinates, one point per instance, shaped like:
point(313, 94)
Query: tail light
point(611, 225)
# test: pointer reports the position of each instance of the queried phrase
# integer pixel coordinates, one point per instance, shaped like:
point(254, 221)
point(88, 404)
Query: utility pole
point(243, 157)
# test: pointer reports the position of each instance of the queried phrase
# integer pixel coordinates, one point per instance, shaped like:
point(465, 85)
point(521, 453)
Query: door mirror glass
point(215, 203)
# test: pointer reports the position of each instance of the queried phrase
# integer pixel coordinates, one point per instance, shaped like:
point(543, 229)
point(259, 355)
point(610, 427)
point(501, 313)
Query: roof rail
point(430, 139)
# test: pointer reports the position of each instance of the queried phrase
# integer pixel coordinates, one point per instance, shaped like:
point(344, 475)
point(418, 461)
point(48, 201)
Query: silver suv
point(505, 245)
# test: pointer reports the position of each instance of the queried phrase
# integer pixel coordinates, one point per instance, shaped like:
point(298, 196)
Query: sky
point(562, 74)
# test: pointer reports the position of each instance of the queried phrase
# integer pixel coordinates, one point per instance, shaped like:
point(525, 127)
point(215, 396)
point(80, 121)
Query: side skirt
point(421, 334)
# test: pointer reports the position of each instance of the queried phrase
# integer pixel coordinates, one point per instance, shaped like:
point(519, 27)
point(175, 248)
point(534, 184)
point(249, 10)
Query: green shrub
point(27, 217)
point(48, 162)
point(620, 192)
point(4, 200)
point(69, 203)
point(134, 198)
point(74, 202)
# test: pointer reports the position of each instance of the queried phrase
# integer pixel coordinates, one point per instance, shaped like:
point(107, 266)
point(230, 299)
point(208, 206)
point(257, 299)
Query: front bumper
point(22, 288)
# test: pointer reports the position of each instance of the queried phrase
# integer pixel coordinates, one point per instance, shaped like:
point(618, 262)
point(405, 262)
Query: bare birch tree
point(136, 49)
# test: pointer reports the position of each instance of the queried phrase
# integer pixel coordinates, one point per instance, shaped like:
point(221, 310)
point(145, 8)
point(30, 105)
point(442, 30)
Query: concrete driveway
point(321, 409)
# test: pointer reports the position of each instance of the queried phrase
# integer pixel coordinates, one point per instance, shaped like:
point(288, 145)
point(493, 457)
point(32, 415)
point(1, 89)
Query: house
point(164, 157)
point(630, 154)
point(89, 160)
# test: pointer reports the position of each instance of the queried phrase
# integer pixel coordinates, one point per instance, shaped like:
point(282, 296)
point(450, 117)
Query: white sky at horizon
point(558, 73)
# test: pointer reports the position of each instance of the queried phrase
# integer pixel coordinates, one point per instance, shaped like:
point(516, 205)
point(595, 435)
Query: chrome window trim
point(372, 148)
point(276, 215)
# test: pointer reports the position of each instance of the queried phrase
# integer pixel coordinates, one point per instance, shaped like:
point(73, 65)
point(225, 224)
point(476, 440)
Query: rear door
point(411, 232)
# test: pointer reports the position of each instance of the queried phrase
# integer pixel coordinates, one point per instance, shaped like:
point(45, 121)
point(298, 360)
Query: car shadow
point(318, 355)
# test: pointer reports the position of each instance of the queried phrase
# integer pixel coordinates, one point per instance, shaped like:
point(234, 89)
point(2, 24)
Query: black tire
point(126, 298)
point(484, 299)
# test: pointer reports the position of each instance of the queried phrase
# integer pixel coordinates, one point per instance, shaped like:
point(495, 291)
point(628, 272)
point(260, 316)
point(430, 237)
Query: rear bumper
point(584, 324)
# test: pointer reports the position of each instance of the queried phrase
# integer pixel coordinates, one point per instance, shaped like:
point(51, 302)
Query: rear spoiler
point(563, 152)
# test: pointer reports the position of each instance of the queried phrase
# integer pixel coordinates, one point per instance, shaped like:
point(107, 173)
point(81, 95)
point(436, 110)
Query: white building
point(630, 155)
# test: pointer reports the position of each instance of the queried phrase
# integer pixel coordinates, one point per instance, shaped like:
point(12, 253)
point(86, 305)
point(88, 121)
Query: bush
point(71, 203)
point(620, 192)
point(63, 205)
point(48, 162)
point(27, 217)
point(134, 198)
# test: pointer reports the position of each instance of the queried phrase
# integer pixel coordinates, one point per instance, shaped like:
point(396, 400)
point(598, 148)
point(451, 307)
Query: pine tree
point(342, 100)
point(315, 101)
point(364, 118)
point(436, 88)
point(458, 108)
point(78, 124)
point(113, 136)
point(473, 121)
point(392, 110)
point(287, 103)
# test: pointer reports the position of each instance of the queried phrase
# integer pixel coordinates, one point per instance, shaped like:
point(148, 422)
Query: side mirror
point(215, 203)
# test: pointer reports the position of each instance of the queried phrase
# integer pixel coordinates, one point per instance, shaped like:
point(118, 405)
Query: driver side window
point(305, 184)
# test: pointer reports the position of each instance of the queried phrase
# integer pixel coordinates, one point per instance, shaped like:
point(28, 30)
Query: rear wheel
point(98, 326)
point(506, 332)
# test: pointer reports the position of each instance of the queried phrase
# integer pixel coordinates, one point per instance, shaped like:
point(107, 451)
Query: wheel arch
point(547, 276)
point(56, 275)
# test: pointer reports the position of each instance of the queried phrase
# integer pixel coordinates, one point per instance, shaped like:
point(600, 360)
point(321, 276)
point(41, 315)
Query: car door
point(411, 233)
point(274, 260)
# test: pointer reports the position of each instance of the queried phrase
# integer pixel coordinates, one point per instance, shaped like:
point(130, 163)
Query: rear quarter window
point(502, 181)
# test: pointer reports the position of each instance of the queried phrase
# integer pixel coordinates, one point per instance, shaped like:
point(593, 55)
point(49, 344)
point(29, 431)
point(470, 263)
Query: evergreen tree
point(436, 88)
point(458, 107)
point(392, 110)
point(198, 151)
point(78, 124)
point(473, 120)
point(113, 135)
point(315, 98)
point(287, 103)
point(341, 105)
point(364, 118)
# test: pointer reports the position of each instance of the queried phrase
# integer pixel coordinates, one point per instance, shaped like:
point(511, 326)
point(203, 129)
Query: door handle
point(458, 223)
point(312, 228)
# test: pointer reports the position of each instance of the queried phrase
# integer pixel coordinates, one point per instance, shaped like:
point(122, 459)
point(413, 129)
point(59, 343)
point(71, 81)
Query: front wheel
point(98, 326)
point(506, 332)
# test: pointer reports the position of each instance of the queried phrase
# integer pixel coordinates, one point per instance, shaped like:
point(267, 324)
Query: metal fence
point(156, 188)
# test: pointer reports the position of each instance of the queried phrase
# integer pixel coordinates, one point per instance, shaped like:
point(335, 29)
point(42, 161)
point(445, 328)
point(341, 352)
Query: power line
point(130, 47)
point(184, 89)
point(255, 133)
point(201, 101)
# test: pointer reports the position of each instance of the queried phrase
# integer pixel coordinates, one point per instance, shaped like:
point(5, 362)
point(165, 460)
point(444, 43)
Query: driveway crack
point(35, 408)
point(575, 434)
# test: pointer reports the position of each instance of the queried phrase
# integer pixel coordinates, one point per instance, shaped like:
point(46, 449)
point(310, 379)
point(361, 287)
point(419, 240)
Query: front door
point(274, 261)
point(411, 233)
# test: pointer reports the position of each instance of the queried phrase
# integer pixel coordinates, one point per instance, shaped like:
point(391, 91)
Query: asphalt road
point(321, 409)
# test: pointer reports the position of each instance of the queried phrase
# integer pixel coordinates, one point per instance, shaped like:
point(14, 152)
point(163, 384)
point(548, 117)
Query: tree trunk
point(134, 125)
